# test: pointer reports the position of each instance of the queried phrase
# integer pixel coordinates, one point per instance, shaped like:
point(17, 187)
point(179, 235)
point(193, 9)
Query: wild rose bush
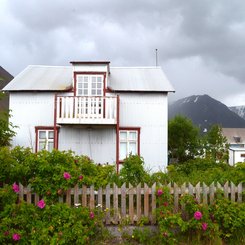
point(47, 224)
point(50, 174)
point(197, 223)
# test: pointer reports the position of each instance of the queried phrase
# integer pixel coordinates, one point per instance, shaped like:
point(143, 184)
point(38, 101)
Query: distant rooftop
point(234, 135)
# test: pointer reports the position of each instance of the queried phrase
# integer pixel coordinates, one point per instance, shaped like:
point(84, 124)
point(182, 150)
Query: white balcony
point(86, 110)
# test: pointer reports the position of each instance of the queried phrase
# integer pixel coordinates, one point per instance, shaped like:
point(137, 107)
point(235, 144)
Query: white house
point(93, 109)
point(236, 140)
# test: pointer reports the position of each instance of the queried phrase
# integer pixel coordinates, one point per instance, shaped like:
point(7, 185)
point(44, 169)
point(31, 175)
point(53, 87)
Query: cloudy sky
point(201, 43)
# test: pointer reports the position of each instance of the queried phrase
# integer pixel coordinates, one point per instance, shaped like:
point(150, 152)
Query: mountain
point(239, 110)
point(5, 78)
point(205, 111)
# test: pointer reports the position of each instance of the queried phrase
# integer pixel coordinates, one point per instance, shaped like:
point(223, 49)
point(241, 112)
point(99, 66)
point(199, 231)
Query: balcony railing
point(86, 110)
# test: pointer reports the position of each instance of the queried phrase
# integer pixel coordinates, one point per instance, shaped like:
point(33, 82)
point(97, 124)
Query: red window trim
point(138, 139)
point(89, 73)
point(38, 128)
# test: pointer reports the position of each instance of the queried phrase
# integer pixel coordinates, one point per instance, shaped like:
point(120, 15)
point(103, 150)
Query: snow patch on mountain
point(239, 110)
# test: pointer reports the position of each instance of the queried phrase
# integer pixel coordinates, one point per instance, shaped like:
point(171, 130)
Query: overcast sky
point(201, 43)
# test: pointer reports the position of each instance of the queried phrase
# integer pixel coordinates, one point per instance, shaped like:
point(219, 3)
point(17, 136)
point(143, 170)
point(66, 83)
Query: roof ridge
point(49, 66)
point(136, 67)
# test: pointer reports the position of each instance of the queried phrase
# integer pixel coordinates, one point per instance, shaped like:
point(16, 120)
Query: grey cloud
point(127, 33)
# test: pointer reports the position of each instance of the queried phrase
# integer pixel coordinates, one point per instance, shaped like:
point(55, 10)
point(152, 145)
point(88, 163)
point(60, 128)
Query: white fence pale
point(130, 204)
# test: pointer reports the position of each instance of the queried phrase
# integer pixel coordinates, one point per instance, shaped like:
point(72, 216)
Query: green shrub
point(230, 217)
point(52, 224)
point(133, 171)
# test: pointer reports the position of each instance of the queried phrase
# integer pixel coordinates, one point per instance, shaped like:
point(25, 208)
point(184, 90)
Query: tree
point(6, 129)
point(216, 145)
point(183, 139)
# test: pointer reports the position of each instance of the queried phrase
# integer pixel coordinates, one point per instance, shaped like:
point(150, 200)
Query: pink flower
point(16, 236)
point(204, 226)
point(6, 233)
point(15, 188)
point(66, 175)
point(159, 192)
point(80, 177)
point(91, 215)
point(197, 215)
point(41, 204)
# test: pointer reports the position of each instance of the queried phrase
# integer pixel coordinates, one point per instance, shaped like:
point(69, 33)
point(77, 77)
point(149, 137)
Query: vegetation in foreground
point(52, 173)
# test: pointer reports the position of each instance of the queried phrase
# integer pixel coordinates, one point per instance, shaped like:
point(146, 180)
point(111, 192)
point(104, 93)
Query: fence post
point(211, 193)
point(239, 193)
point(138, 202)
point(131, 203)
point(205, 193)
point(146, 200)
point(198, 195)
point(153, 204)
point(123, 201)
point(108, 204)
point(176, 197)
point(115, 203)
point(84, 196)
point(91, 193)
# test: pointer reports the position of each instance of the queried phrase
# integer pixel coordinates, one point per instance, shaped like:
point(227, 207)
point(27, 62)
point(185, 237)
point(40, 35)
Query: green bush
point(52, 224)
point(230, 217)
point(204, 170)
point(133, 171)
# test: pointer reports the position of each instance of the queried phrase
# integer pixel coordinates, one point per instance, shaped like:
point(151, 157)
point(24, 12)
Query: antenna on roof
point(156, 58)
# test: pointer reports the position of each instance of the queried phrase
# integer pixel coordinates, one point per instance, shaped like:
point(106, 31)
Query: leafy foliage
point(183, 139)
point(205, 170)
point(133, 171)
point(6, 129)
point(54, 224)
point(215, 145)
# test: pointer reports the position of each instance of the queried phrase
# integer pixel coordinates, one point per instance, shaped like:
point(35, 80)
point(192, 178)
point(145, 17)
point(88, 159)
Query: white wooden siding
point(149, 112)
point(98, 143)
point(29, 110)
point(235, 156)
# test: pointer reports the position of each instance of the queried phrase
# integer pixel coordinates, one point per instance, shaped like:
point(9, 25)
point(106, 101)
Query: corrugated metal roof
point(59, 78)
point(38, 78)
point(139, 79)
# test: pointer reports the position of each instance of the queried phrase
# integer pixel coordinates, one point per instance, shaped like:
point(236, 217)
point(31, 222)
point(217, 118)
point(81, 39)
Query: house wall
point(29, 110)
point(37, 109)
point(98, 143)
point(143, 110)
point(150, 113)
point(235, 156)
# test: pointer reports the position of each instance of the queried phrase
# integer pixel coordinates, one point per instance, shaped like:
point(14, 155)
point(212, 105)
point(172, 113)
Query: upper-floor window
point(237, 139)
point(129, 142)
point(89, 85)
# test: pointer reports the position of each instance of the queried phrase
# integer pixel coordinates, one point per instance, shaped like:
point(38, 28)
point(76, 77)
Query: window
point(45, 139)
point(128, 143)
point(237, 139)
point(89, 85)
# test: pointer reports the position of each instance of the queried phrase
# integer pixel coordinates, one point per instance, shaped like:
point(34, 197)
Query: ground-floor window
point(44, 138)
point(129, 142)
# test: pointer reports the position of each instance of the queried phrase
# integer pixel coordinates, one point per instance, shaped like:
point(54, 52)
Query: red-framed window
point(129, 142)
point(45, 138)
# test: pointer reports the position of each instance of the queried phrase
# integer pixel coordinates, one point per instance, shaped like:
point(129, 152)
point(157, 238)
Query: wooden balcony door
point(90, 87)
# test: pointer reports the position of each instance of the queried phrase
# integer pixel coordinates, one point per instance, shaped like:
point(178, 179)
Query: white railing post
point(75, 109)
